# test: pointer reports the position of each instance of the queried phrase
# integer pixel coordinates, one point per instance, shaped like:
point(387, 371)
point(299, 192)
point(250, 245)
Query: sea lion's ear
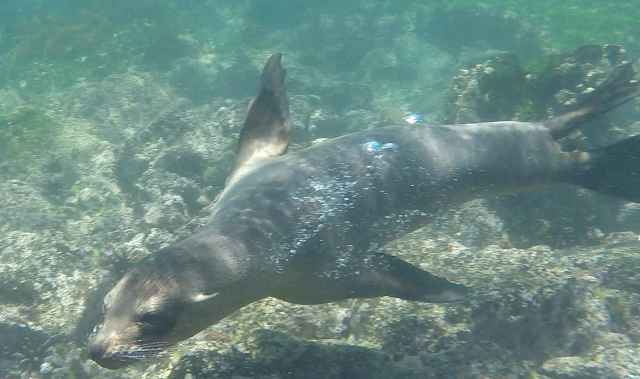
point(202, 297)
point(267, 127)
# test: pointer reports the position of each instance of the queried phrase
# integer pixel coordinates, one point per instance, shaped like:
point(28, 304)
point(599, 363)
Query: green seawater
point(62, 41)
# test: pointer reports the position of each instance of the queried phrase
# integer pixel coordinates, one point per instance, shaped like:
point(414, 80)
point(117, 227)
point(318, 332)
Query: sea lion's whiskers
point(148, 348)
point(128, 358)
point(139, 341)
point(137, 355)
point(154, 350)
point(125, 358)
point(145, 350)
point(151, 350)
point(143, 343)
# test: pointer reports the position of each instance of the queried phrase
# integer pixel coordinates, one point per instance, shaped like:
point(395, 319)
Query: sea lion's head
point(154, 305)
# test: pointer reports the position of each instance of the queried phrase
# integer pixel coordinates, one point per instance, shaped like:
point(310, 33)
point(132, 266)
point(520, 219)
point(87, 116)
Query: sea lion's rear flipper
point(387, 275)
point(612, 170)
point(618, 88)
point(267, 127)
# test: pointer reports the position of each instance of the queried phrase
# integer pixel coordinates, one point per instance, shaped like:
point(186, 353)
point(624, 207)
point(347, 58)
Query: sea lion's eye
point(151, 318)
point(157, 323)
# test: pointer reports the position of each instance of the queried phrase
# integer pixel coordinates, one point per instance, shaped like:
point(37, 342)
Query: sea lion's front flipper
point(378, 275)
point(387, 275)
point(267, 127)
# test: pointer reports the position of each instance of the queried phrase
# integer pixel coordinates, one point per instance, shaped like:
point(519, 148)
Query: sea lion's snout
point(97, 350)
point(104, 346)
point(115, 347)
point(108, 356)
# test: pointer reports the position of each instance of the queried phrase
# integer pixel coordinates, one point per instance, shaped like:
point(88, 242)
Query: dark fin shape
point(612, 170)
point(618, 88)
point(267, 127)
point(380, 275)
point(392, 276)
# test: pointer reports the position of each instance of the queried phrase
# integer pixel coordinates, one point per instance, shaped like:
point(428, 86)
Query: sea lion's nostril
point(96, 350)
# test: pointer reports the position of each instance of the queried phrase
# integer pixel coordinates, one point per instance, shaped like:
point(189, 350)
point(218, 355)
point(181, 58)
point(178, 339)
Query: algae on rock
point(26, 132)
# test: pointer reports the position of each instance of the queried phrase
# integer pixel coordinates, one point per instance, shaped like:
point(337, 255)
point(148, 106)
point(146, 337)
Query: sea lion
point(305, 227)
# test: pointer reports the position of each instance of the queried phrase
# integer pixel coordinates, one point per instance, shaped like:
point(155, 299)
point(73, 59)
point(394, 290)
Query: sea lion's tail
point(618, 88)
point(612, 170)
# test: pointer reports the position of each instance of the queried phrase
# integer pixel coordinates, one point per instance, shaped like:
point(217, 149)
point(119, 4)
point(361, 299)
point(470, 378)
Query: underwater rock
point(168, 165)
point(503, 88)
point(524, 301)
point(620, 363)
point(64, 362)
point(477, 360)
point(25, 133)
point(570, 368)
point(474, 225)
point(118, 105)
point(345, 96)
point(406, 75)
point(277, 355)
point(210, 76)
point(22, 206)
point(43, 285)
point(22, 348)
point(194, 80)
point(164, 44)
point(616, 362)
